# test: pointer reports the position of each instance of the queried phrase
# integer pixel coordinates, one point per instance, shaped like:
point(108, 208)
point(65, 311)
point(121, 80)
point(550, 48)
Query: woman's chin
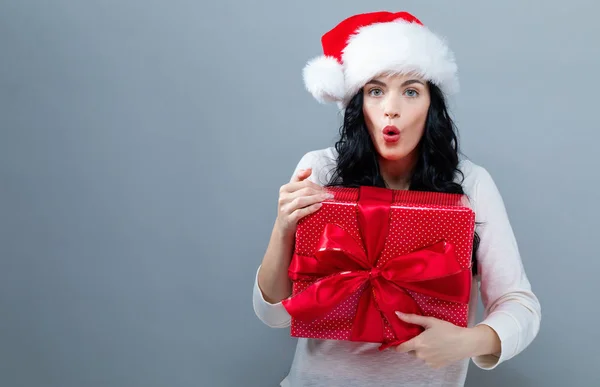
point(391, 154)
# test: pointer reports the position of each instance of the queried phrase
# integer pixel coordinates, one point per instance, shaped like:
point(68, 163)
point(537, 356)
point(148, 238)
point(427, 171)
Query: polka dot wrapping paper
point(412, 221)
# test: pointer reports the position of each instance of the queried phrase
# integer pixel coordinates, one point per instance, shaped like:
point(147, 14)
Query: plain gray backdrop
point(142, 145)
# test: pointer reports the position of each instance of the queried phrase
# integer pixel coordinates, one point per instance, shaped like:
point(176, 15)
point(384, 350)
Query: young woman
point(391, 75)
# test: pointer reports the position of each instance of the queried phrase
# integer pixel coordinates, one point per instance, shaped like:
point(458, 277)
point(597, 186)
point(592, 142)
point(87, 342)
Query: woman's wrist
point(483, 340)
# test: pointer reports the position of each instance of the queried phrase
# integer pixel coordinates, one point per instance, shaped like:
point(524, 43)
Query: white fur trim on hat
point(399, 47)
point(324, 79)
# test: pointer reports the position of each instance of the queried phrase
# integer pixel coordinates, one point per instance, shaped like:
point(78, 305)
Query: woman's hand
point(297, 199)
point(443, 343)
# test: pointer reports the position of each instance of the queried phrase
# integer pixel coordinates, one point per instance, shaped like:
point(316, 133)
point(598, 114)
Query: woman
point(391, 75)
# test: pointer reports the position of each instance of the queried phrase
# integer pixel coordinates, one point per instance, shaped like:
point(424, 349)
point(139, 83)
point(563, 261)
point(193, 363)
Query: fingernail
point(399, 314)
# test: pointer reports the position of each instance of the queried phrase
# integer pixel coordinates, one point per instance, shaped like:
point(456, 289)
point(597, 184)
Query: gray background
point(143, 143)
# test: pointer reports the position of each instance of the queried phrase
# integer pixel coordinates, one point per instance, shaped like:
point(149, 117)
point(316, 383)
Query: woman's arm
point(273, 280)
point(512, 310)
point(297, 199)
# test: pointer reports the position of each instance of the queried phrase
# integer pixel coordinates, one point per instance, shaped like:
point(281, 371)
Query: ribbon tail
point(390, 300)
point(368, 324)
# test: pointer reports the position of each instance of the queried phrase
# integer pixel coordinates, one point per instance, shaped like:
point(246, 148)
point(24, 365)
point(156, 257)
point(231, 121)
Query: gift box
point(369, 252)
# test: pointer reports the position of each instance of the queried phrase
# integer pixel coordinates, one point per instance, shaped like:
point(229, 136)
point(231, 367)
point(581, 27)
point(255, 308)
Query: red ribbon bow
point(341, 267)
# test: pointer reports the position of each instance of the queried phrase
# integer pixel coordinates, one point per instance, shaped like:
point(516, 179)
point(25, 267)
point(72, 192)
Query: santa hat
point(364, 46)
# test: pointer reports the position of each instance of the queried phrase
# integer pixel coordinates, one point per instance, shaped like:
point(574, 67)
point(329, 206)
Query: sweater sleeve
point(273, 315)
point(511, 309)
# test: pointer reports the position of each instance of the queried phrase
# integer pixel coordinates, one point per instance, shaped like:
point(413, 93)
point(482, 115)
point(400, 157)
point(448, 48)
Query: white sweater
point(511, 309)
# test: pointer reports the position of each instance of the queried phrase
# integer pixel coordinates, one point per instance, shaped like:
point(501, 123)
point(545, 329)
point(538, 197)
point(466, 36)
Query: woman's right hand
point(297, 199)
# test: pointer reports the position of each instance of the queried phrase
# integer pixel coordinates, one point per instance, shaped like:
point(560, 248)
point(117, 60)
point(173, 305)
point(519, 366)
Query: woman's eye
point(375, 92)
point(411, 93)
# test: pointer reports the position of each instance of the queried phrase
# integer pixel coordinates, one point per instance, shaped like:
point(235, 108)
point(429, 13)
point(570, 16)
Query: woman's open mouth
point(391, 134)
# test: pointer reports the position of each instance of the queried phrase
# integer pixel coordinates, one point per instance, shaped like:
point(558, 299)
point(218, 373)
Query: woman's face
point(395, 109)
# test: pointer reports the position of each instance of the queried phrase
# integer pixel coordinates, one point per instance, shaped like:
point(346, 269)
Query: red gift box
point(372, 251)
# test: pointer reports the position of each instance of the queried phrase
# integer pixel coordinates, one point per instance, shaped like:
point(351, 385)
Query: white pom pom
point(324, 79)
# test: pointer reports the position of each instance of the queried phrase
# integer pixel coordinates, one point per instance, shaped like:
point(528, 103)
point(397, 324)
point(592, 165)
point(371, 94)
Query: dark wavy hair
point(437, 166)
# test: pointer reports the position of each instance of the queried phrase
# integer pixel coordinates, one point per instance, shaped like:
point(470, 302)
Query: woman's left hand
point(443, 343)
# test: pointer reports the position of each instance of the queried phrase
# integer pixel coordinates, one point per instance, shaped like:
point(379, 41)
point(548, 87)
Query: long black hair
point(437, 165)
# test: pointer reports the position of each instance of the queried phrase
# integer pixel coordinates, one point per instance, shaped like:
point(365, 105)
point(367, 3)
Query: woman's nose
point(392, 114)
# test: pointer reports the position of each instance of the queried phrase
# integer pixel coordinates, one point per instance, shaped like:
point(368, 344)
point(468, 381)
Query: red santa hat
point(366, 45)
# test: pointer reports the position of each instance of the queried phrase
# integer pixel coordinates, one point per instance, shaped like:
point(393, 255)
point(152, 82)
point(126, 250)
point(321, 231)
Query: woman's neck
point(397, 173)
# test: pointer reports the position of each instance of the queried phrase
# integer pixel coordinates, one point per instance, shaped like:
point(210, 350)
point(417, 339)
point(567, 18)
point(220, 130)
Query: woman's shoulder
point(475, 179)
point(320, 156)
point(471, 171)
point(322, 161)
